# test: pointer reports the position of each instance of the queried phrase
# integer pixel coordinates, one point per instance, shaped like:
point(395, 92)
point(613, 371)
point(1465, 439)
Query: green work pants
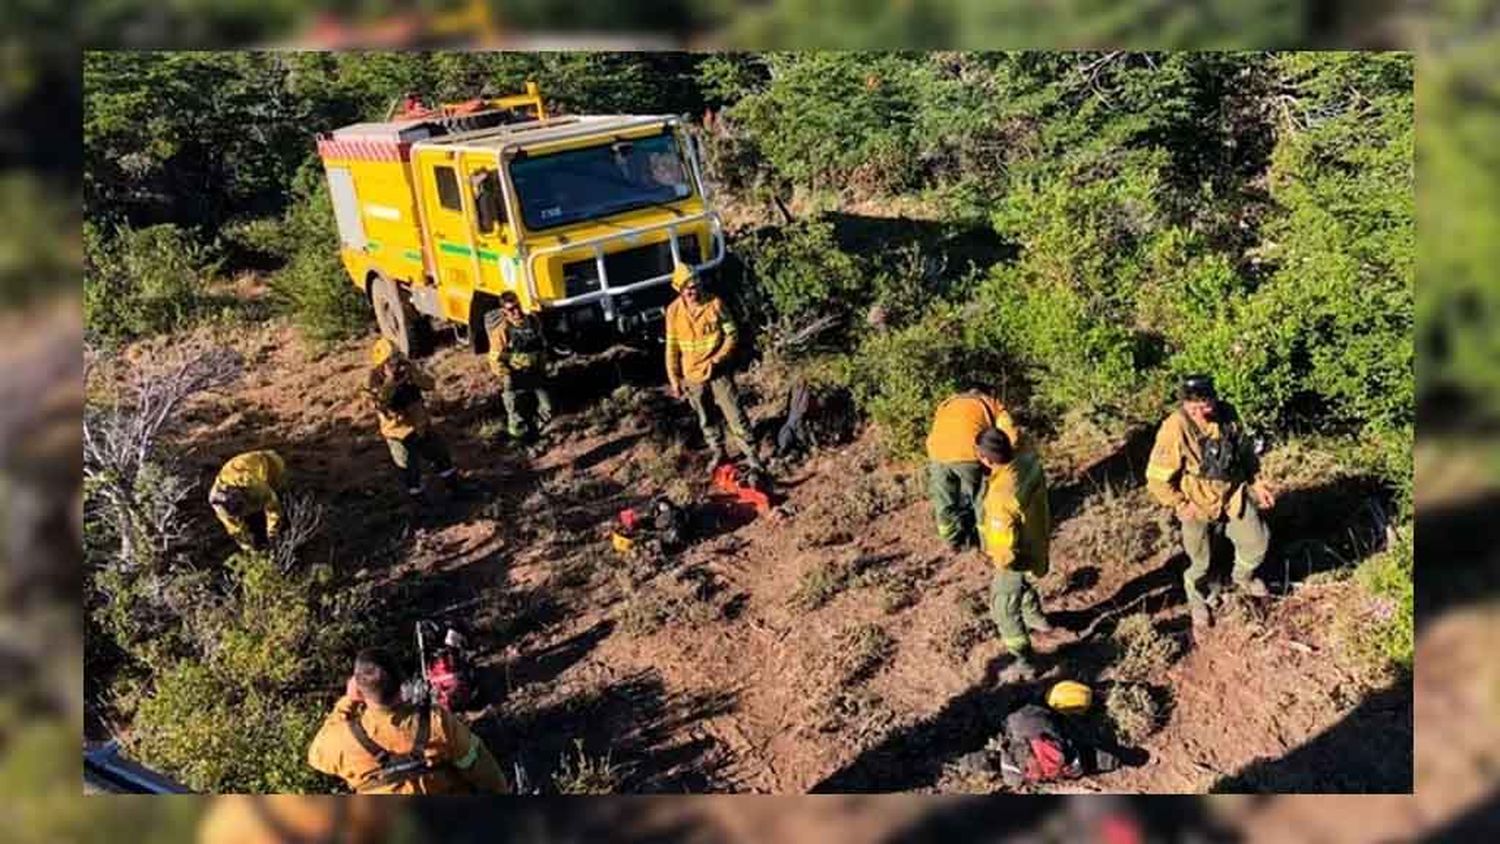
point(1015, 607)
point(410, 452)
point(522, 395)
point(1249, 535)
point(728, 400)
point(957, 493)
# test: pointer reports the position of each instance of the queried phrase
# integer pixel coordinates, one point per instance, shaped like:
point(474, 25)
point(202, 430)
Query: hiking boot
point(1020, 670)
point(1040, 624)
point(1254, 587)
point(1202, 618)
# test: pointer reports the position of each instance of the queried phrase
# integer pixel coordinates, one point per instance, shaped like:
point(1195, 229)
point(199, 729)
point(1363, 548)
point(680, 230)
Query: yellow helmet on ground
point(682, 276)
point(381, 351)
point(1069, 696)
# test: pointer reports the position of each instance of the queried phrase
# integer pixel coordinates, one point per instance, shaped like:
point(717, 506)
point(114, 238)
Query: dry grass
point(971, 626)
point(662, 602)
point(859, 652)
point(1116, 527)
point(1144, 653)
point(584, 774)
point(1135, 712)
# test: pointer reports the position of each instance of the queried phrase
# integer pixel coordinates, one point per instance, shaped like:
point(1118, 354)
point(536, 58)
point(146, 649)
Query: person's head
point(510, 306)
point(685, 281)
point(231, 499)
point(377, 677)
point(994, 448)
point(1199, 398)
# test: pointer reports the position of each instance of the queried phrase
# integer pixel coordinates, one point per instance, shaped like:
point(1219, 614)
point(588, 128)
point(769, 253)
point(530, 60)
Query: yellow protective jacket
point(517, 348)
point(398, 399)
point(260, 474)
point(958, 421)
point(1173, 471)
point(463, 765)
point(279, 818)
point(697, 340)
point(1017, 519)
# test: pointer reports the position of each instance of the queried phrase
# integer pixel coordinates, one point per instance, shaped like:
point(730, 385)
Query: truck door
point(448, 216)
point(498, 270)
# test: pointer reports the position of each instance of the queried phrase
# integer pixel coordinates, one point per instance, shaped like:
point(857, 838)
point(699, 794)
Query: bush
point(139, 282)
point(1383, 634)
point(313, 287)
point(1134, 711)
point(899, 377)
point(1145, 653)
point(232, 717)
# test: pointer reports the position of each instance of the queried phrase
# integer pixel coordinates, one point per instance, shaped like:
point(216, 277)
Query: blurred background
point(1457, 459)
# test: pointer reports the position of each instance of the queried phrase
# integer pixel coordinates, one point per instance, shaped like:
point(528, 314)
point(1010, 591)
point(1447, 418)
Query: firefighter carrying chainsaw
point(701, 337)
point(378, 743)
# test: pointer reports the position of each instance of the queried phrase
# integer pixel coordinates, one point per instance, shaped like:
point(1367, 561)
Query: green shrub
point(800, 272)
point(899, 377)
point(313, 287)
point(235, 715)
point(1383, 635)
point(139, 282)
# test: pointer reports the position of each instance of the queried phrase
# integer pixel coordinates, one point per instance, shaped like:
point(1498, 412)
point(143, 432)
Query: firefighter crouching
point(246, 497)
point(1015, 531)
point(395, 385)
point(1203, 466)
point(378, 744)
point(701, 336)
point(955, 477)
point(518, 357)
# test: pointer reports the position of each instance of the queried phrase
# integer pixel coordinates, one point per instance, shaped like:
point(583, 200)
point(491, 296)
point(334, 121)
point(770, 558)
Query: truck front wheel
point(398, 321)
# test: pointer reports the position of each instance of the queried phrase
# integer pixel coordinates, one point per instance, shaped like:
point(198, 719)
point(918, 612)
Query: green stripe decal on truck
point(460, 249)
point(412, 255)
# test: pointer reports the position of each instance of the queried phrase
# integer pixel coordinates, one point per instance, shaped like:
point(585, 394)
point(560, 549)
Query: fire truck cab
point(439, 211)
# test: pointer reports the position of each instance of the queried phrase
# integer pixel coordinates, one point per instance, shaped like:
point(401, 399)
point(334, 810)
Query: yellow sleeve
point(1005, 422)
point(498, 339)
point(273, 512)
point(674, 355)
point(1000, 535)
point(1164, 467)
point(237, 530)
point(730, 332)
point(323, 754)
point(471, 758)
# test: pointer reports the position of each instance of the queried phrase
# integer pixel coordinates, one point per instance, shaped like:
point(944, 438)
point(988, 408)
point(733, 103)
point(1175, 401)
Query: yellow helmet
point(1069, 696)
point(682, 275)
point(381, 351)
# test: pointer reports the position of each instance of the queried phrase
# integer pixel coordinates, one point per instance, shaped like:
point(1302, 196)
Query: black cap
point(1198, 387)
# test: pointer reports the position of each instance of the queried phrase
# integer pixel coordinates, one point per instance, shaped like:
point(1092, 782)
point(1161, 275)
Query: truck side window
point(447, 188)
point(488, 205)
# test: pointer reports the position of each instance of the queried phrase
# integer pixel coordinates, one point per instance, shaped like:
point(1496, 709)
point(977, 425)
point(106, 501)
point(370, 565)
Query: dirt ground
point(835, 648)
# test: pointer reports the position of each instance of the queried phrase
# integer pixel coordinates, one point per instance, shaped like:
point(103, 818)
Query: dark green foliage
point(313, 286)
point(142, 281)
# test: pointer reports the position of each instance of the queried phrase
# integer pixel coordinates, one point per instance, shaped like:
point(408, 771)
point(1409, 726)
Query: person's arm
point(1004, 421)
point(472, 759)
point(999, 536)
point(273, 513)
point(674, 359)
point(729, 331)
point(1164, 469)
point(237, 530)
point(497, 352)
point(324, 753)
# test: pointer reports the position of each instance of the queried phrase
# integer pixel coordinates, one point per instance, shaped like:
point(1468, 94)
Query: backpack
point(397, 767)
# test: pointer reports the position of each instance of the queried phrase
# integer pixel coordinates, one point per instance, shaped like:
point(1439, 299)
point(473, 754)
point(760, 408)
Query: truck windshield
point(585, 184)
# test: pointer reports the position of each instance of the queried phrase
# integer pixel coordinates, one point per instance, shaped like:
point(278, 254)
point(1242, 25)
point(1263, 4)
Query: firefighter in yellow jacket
point(955, 476)
point(1203, 466)
point(701, 336)
point(378, 744)
point(1015, 532)
point(518, 357)
point(246, 496)
point(395, 385)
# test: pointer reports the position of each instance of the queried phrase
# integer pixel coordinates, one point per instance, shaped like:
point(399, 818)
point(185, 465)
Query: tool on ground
point(661, 521)
point(448, 679)
point(742, 486)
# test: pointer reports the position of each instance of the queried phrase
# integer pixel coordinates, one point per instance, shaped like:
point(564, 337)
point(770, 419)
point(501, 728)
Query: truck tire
point(398, 321)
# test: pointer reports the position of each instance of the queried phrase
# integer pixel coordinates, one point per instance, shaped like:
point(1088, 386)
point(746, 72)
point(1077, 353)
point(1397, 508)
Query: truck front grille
point(628, 266)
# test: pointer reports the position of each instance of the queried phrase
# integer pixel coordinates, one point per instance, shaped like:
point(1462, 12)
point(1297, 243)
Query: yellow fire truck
point(441, 210)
